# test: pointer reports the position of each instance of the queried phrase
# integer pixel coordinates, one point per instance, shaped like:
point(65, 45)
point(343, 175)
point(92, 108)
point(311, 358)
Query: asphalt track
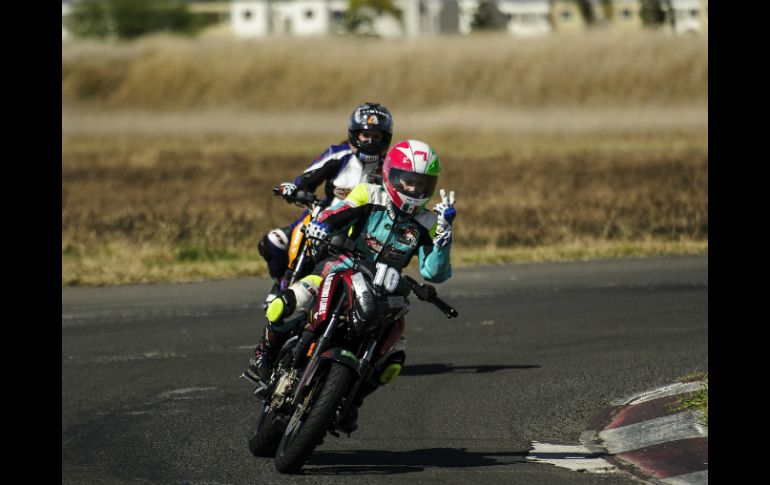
point(150, 388)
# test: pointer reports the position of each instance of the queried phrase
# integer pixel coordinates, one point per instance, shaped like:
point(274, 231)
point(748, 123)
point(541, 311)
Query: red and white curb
point(643, 435)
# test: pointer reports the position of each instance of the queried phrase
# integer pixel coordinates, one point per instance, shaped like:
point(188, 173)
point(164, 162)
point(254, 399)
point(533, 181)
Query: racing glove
point(286, 190)
point(317, 231)
point(446, 213)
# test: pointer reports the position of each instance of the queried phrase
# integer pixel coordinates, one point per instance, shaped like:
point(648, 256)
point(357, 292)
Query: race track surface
point(150, 388)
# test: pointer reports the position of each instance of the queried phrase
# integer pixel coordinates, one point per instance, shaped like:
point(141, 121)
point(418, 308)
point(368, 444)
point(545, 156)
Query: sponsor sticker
point(324, 301)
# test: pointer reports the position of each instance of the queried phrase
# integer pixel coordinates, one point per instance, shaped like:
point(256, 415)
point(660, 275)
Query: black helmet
point(370, 116)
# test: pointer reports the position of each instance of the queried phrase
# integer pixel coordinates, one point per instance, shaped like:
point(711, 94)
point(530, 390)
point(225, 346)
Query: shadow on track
point(395, 462)
point(432, 369)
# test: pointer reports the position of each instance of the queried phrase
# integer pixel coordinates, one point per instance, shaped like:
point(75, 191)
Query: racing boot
point(349, 422)
point(260, 363)
point(385, 373)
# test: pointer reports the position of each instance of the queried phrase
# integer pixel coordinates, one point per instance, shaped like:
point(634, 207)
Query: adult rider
point(341, 167)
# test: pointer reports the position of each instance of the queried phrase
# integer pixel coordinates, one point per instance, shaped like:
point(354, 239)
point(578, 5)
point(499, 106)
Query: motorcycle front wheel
point(267, 435)
point(308, 427)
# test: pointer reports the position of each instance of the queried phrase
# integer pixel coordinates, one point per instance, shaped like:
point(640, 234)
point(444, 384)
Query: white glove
point(286, 190)
point(317, 230)
point(446, 214)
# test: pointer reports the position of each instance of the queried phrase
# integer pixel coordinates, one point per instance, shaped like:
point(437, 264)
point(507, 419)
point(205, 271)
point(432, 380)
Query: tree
point(359, 18)
point(128, 19)
point(488, 17)
point(652, 13)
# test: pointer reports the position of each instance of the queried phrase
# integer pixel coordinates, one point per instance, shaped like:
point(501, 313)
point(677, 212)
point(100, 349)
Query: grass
point(132, 206)
point(596, 68)
point(564, 147)
point(125, 263)
point(698, 400)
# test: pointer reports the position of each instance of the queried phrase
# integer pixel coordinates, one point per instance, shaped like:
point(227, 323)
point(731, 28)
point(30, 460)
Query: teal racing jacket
point(370, 222)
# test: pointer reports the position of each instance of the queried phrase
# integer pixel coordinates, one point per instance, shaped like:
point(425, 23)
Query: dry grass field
point(561, 147)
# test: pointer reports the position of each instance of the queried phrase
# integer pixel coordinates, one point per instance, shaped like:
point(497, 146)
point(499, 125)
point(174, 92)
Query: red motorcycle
point(310, 392)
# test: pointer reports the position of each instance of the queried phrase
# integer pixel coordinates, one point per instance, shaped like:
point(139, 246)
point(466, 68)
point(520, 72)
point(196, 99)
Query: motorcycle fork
point(365, 370)
point(312, 365)
point(298, 263)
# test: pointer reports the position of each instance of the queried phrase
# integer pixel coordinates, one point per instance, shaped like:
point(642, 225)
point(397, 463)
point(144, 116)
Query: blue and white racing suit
point(341, 170)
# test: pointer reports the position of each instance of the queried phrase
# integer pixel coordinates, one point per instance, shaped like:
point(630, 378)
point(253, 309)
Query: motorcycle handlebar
point(423, 291)
point(300, 196)
point(428, 293)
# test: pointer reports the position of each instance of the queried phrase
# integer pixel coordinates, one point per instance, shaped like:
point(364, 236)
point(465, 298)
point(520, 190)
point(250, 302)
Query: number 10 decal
point(386, 276)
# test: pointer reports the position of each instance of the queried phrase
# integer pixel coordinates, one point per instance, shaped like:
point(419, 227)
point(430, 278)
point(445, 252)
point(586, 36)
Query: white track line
point(653, 432)
point(670, 390)
point(577, 458)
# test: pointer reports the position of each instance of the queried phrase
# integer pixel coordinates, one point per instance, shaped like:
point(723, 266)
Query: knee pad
point(281, 307)
point(278, 239)
point(273, 247)
point(391, 367)
point(305, 291)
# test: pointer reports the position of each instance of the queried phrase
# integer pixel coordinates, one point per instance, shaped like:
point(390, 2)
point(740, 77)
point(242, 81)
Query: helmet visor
point(411, 184)
point(370, 141)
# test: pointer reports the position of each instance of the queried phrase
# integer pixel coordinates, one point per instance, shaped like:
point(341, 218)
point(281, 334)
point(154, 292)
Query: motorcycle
point(309, 393)
point(299, 252)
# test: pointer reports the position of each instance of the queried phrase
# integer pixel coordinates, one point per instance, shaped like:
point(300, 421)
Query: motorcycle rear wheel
point(300, 440)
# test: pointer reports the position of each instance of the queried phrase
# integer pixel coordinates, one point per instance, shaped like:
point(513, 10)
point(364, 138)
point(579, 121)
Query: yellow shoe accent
point(274, 310)
point(391, 372)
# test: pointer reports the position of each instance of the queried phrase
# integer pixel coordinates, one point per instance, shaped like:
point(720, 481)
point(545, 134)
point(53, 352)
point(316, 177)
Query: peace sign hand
point(446, 213)
point(445, 209)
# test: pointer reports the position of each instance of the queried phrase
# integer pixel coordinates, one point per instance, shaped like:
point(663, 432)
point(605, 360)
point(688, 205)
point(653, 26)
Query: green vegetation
point(698, 400)
point(360, 15)
point(488, 17)
point(493, 70)
point(129, 19)
point(652, 12)
point(170, 147)
point(198, 201)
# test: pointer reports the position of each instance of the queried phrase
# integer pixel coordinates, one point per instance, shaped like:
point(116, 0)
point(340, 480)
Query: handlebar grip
point(445, 307)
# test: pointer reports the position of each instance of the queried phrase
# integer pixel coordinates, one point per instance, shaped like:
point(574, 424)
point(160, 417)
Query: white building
point(527, 17)
point(257, 18)
point(687, 15)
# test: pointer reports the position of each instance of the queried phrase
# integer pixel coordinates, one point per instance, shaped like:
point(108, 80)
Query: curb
point(642, 435)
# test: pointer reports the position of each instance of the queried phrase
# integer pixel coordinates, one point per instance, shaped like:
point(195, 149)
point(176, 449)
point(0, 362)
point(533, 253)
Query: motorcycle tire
point(299, 442)
point(266, 437)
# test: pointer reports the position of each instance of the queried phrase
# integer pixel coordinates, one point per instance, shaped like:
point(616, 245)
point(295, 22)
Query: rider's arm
point(342, 215)
point(345, 213)
point(323, 168)
point(435, 263)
